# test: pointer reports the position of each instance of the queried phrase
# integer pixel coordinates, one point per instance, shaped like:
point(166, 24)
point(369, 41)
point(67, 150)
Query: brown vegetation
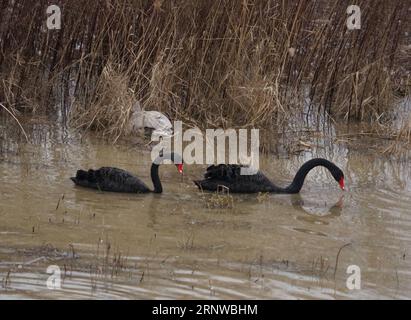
point(212, 63)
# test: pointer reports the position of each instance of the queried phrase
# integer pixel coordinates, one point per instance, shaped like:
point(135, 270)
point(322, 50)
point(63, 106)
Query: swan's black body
point(110, 179)
point(229, 176)
point(119, 180)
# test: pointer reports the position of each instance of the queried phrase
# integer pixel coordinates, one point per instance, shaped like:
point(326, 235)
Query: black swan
point(229, 176)
point(119, 180)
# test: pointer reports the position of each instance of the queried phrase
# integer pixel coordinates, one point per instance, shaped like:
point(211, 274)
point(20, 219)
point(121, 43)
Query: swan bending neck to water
point(154, 120)
point(229, 176)
point(119, 180)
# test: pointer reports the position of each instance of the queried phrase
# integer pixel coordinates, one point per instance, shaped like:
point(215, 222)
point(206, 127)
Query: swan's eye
point(341, 182)
point(180, 168)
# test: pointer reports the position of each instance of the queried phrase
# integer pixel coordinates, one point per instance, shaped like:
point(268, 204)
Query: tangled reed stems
point(216, 63)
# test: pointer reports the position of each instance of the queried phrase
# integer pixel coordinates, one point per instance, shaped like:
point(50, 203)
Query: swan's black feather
point(229, 176)
point(110, 179)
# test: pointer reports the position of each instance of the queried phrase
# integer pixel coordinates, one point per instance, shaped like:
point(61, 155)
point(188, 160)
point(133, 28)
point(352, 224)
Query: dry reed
point(210, 63)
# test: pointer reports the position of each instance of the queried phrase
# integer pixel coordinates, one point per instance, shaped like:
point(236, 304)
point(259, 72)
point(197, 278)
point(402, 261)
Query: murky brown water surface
point(175, 245)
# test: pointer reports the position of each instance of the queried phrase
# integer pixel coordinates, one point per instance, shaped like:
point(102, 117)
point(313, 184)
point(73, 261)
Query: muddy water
point(183, 244)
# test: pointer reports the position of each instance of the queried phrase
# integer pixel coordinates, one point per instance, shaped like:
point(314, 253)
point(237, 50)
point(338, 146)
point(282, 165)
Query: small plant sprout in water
point(221, 199)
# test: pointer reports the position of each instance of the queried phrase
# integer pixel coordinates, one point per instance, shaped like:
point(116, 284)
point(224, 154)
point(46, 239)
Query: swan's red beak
point(180, 168)
point(341, 182)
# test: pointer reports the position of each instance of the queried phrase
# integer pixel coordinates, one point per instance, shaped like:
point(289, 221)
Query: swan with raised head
point(119, 180)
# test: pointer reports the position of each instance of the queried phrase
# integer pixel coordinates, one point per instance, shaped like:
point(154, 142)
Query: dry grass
point(111, 107)
point(211, 63)
point(17, 121)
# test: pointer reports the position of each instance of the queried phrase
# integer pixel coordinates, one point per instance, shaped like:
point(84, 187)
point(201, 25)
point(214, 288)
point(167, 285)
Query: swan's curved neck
point(299, 178)
point(158, 188)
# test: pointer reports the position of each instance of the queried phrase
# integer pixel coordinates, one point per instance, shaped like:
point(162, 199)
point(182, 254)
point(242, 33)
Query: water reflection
point(316, 209)
point(175, 246)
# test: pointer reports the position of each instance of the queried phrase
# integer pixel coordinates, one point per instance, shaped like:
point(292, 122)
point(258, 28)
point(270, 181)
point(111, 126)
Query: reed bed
point(111, 107)
point(221, 63)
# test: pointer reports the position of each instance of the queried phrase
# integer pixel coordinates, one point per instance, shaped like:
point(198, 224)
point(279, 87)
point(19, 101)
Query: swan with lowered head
point(154, 120)
point(229, 176)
